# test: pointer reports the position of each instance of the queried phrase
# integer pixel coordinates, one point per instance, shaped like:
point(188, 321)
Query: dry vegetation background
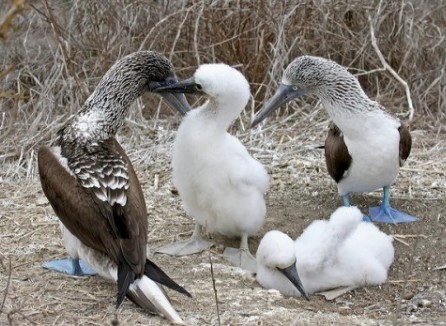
point(53, 53)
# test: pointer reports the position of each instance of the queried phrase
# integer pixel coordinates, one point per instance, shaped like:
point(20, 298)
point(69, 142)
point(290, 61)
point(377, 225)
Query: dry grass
point(56, 52)
point(53, 53)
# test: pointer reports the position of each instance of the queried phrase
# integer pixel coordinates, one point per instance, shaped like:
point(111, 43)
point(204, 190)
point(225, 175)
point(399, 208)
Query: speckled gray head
point(143, 65)
point(310, 73)
point(105, 111)
point(134, 74)
point(324, 78)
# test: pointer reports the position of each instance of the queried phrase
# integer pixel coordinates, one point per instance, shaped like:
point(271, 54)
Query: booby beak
point(175, 100)
point(291, 273)
point(183, 86)
point(284, 93)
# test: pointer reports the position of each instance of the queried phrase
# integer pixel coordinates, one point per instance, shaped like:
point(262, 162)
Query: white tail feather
point(157, 297)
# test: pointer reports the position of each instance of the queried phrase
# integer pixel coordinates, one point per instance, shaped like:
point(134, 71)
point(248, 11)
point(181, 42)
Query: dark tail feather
point(125, 277)
point(156, 274)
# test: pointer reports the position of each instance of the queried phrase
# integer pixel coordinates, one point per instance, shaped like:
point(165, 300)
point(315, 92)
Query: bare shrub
point(58, 50)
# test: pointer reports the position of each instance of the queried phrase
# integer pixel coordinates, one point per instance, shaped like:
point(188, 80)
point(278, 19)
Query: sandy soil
point(301, 191)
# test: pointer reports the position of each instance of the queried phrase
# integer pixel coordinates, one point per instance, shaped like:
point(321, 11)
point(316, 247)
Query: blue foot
point(70, 266)
point(366, 218)
point(387, 214)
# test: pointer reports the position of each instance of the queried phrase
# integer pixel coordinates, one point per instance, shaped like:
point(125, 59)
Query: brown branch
point(6, 24)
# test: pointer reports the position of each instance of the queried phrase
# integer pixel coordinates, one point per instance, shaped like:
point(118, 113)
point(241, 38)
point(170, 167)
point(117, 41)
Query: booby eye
point(295, 88)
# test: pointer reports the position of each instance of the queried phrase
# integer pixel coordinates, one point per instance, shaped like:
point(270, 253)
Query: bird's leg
point(241, 257)
point(70, 266)
point(193, 245)
point(346, 203)
point(386, 214)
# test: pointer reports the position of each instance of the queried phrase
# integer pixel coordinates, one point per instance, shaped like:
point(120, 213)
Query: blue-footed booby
point(93, 189)
point(365, 146)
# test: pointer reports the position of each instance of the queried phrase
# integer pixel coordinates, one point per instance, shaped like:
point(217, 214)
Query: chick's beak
point(291, 273)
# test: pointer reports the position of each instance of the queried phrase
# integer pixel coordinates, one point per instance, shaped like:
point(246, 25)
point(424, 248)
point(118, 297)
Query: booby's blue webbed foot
point(70, 266)
point(241, 258)
point(366, 218)
point(387, 214)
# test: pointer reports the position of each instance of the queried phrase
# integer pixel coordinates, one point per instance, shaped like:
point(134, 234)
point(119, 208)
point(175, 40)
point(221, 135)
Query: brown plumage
point(337, 158)
point(93, 189)
point(115, 230)
point(405, 143)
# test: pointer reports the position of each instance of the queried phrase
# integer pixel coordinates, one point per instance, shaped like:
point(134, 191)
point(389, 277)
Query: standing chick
point(220, 184)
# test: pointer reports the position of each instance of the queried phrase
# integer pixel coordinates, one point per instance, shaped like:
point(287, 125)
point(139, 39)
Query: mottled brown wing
point(405, 143)
point(337, 157)
point(120, 231)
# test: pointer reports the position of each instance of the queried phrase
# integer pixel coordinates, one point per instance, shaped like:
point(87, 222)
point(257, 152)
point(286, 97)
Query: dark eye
point(199, 87)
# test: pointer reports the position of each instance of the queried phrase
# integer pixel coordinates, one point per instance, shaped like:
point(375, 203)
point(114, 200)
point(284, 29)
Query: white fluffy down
point(220, 184)
point(343, 251)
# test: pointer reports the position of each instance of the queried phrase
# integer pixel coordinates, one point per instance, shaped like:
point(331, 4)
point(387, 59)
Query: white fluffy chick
point(339, 255)
point(220, 184)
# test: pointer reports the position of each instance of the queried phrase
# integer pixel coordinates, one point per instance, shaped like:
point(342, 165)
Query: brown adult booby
point(92, 187)
point(365, 147)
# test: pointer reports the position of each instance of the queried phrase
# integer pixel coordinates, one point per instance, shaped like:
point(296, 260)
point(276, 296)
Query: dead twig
point(5, 72)
point(6, 24)
point(215, 289)
point(391, 70)
point(8, 282)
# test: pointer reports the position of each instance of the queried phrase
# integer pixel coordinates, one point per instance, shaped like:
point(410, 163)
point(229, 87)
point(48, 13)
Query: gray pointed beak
point(284, 94)
point(183, 86)
point(176, 101)
point(291, 273)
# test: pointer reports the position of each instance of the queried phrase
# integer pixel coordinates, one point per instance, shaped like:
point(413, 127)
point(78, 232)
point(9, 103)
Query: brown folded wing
point(337, 157)
point(100, 202)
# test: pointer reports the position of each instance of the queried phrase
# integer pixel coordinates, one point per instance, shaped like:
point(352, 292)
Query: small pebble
point(408, 295)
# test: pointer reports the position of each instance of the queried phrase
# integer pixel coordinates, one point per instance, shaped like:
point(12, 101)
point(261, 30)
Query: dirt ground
point(300, 192)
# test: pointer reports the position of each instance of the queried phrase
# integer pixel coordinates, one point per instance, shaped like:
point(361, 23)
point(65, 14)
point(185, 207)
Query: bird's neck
point(221, 113)
point(105, 111)
point(352, 111)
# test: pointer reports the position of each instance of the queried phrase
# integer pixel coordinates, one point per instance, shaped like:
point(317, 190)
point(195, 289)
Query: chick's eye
point(199, 87)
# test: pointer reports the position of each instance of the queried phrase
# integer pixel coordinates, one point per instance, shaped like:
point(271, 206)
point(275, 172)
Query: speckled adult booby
point(365, 146)
point(220, 184)
point(336, 256)
point(91, 185)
